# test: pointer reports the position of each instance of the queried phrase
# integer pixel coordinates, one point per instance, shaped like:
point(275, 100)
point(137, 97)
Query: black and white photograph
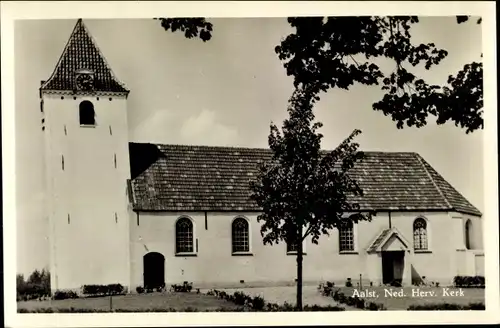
point(339, 161)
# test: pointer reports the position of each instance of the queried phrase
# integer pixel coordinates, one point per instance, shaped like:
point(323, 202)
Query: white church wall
point(89, 241)
point(214, 265)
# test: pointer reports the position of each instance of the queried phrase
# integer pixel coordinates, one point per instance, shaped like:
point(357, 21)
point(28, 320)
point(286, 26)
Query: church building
point(144, 214)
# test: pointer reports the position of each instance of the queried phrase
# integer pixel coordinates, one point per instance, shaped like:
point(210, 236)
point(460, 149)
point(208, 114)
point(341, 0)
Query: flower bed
point(329, 290)
point(258, 303)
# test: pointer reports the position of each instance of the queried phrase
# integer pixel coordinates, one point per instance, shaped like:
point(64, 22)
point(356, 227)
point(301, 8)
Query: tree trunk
point(299, 273)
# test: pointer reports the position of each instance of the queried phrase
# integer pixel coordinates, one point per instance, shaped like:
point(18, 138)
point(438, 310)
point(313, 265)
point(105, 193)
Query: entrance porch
point(390, 259)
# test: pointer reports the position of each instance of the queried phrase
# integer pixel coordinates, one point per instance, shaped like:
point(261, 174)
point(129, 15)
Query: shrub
point(372, 306)
point(469, 281)
point(62, 295)
point(186, 287)
point(446, 307)
point(258, 303)
point(102, 290)
point(139, 289)
point(314, 308)
point(37, 286)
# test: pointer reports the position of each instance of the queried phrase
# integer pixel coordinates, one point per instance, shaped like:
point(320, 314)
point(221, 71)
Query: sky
point(225, 92)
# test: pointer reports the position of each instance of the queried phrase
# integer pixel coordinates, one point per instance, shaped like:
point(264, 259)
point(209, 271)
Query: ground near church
point(279, 295)
point(312, 296)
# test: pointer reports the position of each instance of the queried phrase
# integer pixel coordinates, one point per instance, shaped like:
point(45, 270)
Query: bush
point(36, 287)
point(446, 307)
point(184, 288)
point(102, 290)
point(258, 303)
point(372, 306)
point(356, 302)
point(139, 289)
point(469, 281)
point(62, 295)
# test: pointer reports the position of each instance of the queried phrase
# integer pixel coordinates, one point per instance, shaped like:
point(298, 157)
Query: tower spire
point(82, 53)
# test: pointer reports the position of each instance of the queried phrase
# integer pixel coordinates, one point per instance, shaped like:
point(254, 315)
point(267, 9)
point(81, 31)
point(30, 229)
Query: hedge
point(446, 307)
point(62, 295)
point(103, 290)
point(86, 310)
point(469, 281)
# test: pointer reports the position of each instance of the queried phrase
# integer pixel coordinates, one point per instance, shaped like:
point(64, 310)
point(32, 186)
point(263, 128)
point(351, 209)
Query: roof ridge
point(420, 160)
point(267, 149)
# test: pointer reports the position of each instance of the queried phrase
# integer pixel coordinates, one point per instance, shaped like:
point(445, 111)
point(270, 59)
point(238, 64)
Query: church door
point(392, 267)
point(154, 270)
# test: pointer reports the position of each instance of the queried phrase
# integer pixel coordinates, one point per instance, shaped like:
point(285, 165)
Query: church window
point(420, 234)
point(87, 113)
point(346, 237)
point(240, 234)
point(468, 232)
point(184, 236)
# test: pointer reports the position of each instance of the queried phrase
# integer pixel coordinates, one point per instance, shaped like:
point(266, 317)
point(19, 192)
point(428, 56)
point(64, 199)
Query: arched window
point(420, 234)
point(240, 235)
point(87, 114)
point(346, 236)
point(184, 236)
point(468, 232)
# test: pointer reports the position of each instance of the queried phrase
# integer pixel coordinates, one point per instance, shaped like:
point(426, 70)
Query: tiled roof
point(376, 243)
point(82, 53)
point(383, 237)
point(202, 178)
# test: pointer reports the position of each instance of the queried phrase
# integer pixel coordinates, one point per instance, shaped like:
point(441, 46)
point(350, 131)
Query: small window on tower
point(87, 114)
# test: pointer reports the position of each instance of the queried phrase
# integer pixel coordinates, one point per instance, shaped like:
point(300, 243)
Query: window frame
point(426, 229)
point(353, 227)
point(248, 236)
point(193, 251)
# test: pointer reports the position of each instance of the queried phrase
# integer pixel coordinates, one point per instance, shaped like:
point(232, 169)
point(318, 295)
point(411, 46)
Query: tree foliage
point(302, 190)
point(325, 52)
point(331, 52)
point(191, 27)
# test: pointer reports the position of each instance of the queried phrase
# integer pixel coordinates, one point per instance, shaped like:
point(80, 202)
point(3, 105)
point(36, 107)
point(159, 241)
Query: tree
point(328, 52)
point(192, 27)
point(302, 190)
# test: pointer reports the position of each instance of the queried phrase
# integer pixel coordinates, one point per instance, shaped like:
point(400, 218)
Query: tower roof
point(82, 53)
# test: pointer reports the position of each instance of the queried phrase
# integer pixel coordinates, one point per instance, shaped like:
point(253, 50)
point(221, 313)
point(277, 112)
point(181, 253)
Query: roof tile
point(204, 178)
point(81, 52)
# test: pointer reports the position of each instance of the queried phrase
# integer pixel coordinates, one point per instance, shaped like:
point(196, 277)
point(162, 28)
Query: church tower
point(84, 121)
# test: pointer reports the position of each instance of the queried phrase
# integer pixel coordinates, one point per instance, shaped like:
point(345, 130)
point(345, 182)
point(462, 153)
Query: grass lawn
point(131, 302)
point(395, 302)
